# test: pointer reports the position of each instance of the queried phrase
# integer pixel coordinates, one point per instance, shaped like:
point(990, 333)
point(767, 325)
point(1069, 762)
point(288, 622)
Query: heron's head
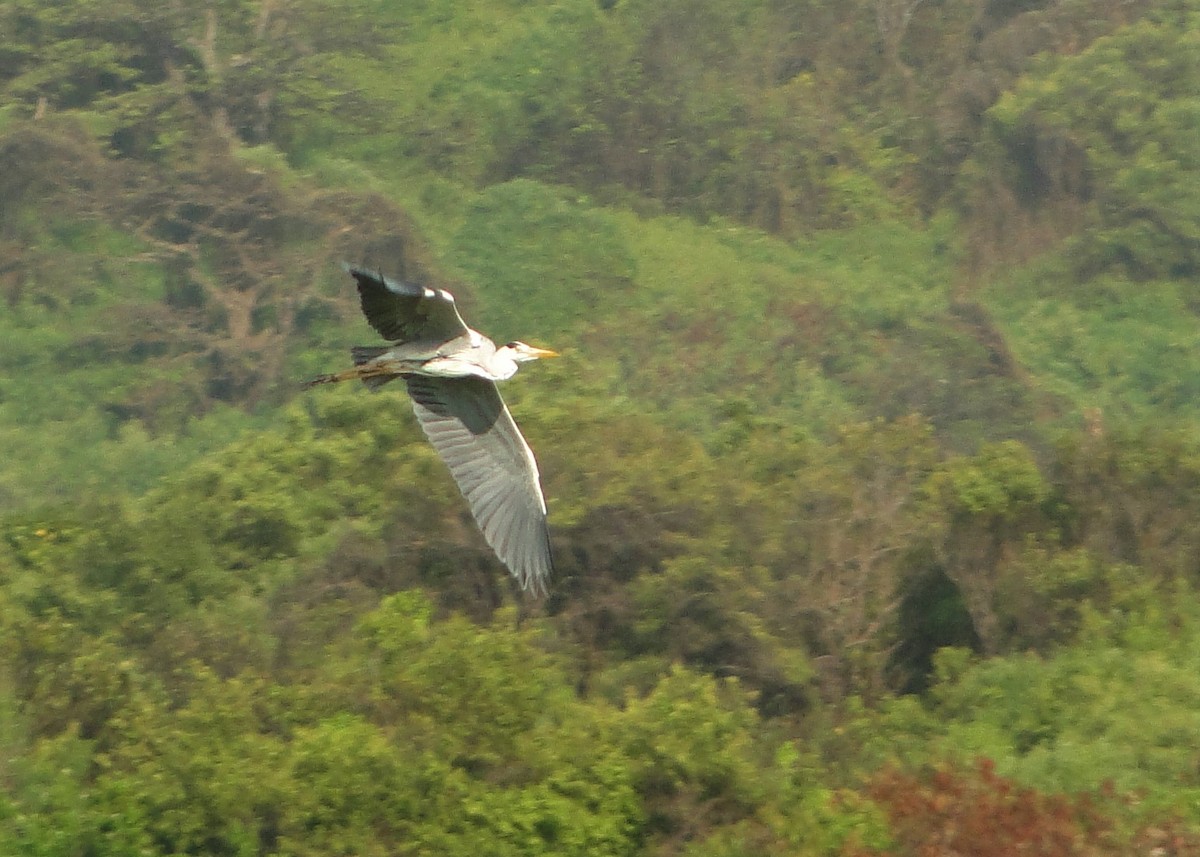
point(523, 353)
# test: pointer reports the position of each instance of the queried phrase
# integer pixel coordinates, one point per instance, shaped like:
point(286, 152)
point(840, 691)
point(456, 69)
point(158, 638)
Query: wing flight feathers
point(460, 412)
point(468, 424)
point(405, 312)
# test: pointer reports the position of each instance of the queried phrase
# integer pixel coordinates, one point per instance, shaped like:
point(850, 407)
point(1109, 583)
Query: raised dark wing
point(466, 421)
point(403, 312)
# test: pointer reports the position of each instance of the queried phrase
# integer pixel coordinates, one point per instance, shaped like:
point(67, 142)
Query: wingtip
point(536, 580)
point(535, 586)
point(375, 277)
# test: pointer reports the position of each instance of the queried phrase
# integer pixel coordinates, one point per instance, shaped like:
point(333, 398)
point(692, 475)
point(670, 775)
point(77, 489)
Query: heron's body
point(450, 372)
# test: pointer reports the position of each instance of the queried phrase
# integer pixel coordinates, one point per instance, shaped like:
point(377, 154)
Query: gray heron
point(451, 371)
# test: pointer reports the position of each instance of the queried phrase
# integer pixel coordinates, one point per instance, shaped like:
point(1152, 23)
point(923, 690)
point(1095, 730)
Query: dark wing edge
point(405, 312)
point(468, 424)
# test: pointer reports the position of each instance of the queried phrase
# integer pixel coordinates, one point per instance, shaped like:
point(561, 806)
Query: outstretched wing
point(466, 421)
point(403, 312)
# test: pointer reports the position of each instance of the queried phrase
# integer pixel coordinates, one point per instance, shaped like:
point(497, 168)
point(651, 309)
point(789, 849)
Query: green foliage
point(42, 808)
point(713, 619)
point(785, 466)
point(1087, 717)
point(535, 83)
point(201, 776)
point(527, 772)
point(541, 261)
point(1121, 107)
point(686, 736)
point(455, 669)
point(1115, 349)
point(1098, 149)
point(351, 788)
point(1001, 483)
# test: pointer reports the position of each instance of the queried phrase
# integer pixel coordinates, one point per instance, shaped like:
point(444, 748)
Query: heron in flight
point(451, 371)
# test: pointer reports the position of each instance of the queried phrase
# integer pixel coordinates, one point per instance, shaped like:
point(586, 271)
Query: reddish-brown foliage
point(951, 812)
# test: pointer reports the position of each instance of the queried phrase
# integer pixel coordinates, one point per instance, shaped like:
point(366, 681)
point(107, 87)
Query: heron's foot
point(324, 379)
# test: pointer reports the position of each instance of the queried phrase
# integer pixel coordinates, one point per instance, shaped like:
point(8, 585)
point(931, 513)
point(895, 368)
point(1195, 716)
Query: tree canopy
point(873, 464)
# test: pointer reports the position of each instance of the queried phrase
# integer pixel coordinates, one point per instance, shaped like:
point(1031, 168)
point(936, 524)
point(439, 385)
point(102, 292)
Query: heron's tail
point(361, 354)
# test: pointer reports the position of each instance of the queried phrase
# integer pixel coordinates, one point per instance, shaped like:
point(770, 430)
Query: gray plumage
point(450, 371)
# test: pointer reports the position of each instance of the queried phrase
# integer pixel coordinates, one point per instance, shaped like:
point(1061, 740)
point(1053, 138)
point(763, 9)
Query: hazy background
point(873, 465)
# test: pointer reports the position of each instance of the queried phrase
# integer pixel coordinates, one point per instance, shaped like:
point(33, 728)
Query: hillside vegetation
point(873, 464)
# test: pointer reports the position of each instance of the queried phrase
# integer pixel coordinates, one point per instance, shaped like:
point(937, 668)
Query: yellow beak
point(544, 352)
